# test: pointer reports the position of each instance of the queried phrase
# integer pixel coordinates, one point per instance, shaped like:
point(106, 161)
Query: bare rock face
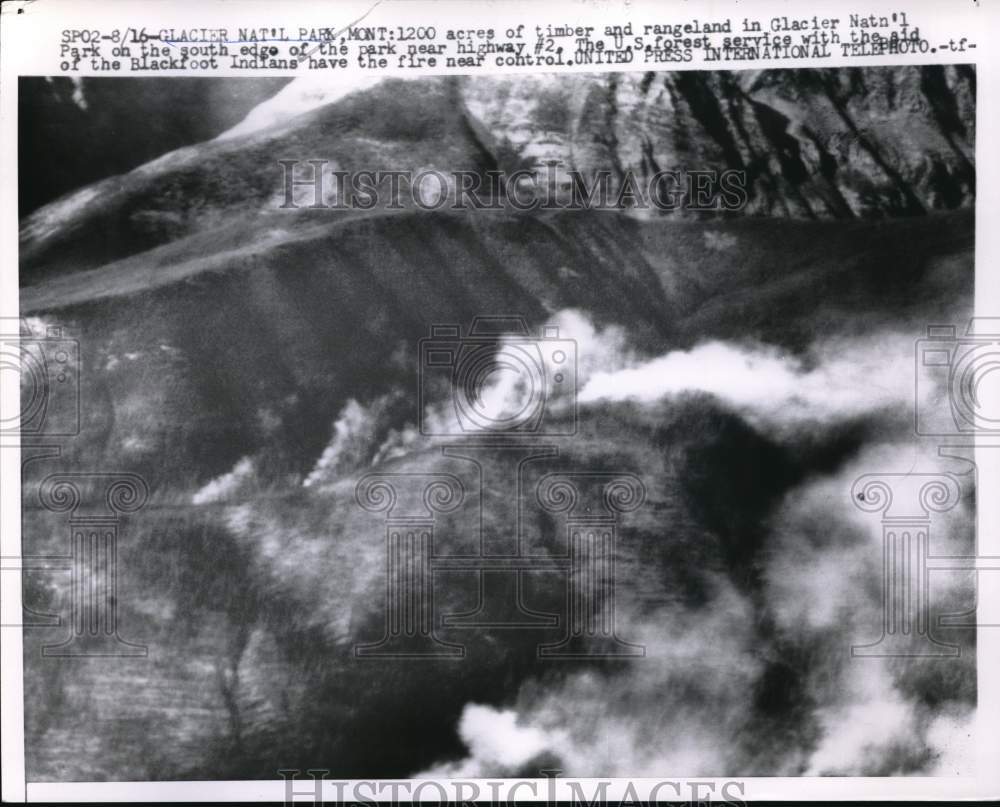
point(813, 143)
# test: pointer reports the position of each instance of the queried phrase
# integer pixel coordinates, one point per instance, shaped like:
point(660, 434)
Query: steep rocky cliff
point(813, 143)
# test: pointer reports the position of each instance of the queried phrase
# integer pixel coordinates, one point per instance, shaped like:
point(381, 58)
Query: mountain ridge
point(797, 135)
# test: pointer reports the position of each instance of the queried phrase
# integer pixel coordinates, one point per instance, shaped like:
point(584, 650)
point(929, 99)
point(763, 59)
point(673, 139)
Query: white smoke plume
point(840, 380)
point(352, 435)
point(228, 485)
point(674, 712)
point(824, 580)
point(505, 394)
point(685, 709)
point(496, 741)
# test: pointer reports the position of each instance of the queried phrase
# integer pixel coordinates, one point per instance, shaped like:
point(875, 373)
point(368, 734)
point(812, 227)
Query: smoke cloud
point(841, 380)
point(693, 706)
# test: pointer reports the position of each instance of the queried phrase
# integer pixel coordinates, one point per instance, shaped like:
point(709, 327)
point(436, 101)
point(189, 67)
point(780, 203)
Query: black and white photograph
point(503, 426)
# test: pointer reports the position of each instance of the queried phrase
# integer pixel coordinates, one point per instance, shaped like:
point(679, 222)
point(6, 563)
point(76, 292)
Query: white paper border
point(25, 49)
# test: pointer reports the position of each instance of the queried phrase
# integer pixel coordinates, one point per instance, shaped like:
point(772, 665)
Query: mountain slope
point(65, 125)
point(173, 380)
point(252, 364)
point(870, 142)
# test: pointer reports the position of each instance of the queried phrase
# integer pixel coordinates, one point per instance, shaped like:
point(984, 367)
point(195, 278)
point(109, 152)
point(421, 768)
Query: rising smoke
point(704, 699)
